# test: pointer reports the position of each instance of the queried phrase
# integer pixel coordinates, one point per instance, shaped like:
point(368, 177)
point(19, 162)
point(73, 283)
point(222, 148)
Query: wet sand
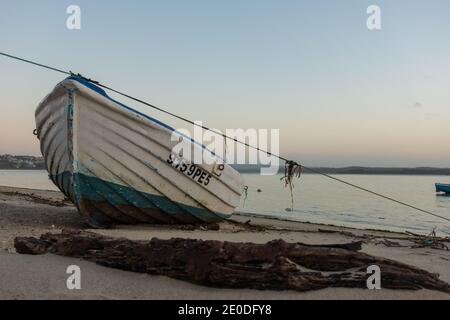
point(25, 212)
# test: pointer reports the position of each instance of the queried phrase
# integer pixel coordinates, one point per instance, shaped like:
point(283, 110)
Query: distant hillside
point(37, 163)
point(358, 170)
point(21, 162)
point(406, 171)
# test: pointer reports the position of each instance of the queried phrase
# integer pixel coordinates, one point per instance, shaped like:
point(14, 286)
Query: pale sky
point(340, 94)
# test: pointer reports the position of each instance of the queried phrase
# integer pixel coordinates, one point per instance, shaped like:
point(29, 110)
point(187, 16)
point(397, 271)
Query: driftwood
point(276, 265)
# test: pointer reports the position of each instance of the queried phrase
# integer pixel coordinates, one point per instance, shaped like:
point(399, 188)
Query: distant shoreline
point(422, 171)
point(348, 170)
point(12, 162)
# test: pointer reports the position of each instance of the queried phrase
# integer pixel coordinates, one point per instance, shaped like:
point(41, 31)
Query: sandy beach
point(26, 212)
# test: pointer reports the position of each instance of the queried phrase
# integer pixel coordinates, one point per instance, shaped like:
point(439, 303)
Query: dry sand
point(25, 212)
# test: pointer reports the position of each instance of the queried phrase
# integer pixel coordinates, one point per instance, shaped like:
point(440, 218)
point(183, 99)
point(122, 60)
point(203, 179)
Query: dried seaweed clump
point(291, 170)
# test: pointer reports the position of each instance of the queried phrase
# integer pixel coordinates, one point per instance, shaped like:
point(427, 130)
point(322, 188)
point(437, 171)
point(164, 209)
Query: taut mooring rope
point(225, 136)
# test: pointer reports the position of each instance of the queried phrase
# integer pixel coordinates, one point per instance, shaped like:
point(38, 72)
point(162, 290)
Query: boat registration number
point(189, 169)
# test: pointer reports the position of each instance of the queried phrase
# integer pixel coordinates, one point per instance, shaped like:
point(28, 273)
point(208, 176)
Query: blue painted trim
point(102, 92)
point(66, 180)
point(97, 190)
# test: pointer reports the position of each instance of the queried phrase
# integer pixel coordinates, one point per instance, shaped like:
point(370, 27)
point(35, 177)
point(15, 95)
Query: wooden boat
point(117, 167)
point(440, 187)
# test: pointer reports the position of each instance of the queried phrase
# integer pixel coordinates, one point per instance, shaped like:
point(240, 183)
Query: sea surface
point(320, 200)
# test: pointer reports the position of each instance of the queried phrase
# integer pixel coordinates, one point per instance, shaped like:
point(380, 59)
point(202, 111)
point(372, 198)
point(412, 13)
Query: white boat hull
point(117, 166)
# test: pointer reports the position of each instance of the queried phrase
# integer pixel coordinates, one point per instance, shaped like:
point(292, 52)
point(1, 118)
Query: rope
point(227, 137)
point(376, 193)
point(35, 63)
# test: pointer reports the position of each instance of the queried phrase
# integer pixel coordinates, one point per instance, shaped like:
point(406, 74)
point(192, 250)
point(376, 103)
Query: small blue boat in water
point(440, 187)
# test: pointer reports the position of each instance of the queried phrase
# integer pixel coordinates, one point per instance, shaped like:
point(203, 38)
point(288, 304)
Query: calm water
point(318, 199)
